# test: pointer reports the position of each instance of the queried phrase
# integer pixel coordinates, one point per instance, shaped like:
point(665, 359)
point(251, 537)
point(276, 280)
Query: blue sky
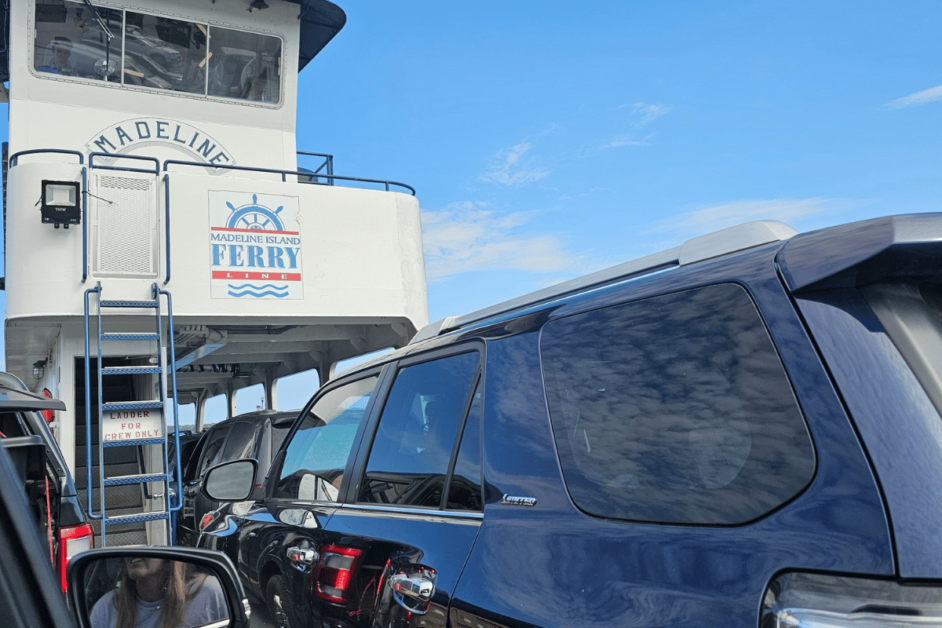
point(550, 139)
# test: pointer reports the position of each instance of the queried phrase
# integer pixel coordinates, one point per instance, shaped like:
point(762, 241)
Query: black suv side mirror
point(156, 586)
point(230, 481)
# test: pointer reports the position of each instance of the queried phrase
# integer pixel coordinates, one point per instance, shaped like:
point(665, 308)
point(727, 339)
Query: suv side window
point(192, 465)
point(464, 490)
point(241, 442)
point(418, 430)
point(317, 453)
point(213, 449)
point(675, 409)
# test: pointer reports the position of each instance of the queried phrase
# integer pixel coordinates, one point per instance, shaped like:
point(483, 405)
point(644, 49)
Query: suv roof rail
point(698, 249)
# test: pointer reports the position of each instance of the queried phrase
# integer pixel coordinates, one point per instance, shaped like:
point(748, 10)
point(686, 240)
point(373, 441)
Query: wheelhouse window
point(138, 50)
point(72, 42)
point(164, 53)
point(244, 65)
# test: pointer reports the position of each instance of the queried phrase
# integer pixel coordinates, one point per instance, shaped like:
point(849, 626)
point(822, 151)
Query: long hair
point(181, 587)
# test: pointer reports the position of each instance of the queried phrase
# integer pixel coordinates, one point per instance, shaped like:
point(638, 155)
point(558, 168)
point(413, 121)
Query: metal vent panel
point(125, 230)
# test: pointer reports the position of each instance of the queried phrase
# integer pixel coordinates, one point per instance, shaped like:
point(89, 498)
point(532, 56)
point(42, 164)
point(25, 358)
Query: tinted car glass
point(417, 432)
point(279, 431)
point(241, 443)
point(675, 409)
point(213, 448)
point(195, 456)
point(318, 451)
point(464, 491)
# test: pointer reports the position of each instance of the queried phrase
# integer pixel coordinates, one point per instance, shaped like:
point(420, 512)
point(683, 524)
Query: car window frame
point(357, 470)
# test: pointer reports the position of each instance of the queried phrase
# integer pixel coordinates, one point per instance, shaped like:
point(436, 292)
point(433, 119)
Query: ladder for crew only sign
point(254, 246)
point(132, 425)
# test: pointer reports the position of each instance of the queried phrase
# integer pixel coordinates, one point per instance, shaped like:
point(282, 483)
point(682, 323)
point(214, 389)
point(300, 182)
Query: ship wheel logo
point(255, 217)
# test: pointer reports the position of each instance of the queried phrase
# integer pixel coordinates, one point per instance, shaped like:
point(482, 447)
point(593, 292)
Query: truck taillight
point(335, 572)
point(819, 601)
point(73, 540)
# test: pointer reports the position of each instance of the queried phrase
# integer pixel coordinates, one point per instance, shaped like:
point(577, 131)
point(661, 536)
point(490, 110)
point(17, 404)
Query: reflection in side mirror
point(134, 587)
point(230, 481)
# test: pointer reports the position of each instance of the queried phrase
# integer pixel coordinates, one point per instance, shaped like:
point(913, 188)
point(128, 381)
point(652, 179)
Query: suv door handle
point(301, 558)
point(413, 591)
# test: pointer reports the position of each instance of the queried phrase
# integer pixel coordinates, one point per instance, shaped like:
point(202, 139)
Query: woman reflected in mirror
point(160, 593)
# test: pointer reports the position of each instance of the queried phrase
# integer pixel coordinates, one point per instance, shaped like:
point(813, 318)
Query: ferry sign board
point(254, 246)
point(132, 425)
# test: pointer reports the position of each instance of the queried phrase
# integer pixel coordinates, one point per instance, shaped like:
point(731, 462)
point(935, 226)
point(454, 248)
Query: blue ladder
point(171, 500)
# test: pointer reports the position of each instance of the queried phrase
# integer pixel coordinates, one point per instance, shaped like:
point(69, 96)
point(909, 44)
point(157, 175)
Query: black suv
point(50, 489)
point(257, 435)
point(742, 431)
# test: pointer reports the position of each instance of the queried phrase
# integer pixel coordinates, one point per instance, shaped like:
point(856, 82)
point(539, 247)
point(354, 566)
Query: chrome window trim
point(425, 512)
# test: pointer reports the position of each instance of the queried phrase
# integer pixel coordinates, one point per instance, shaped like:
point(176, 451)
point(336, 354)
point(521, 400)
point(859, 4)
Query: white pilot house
point(166, 242)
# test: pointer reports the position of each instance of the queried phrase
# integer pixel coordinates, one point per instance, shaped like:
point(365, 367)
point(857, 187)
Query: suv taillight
point(818, 601)
point(206, 520)
point(335, 572)
point(72, 540)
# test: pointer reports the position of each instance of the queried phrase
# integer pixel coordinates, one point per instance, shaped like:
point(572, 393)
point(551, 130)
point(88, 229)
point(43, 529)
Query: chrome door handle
point(301, 558)
point(413, 591)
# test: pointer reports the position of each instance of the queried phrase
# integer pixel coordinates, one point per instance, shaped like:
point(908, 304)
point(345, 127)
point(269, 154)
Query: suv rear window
point(675, 409)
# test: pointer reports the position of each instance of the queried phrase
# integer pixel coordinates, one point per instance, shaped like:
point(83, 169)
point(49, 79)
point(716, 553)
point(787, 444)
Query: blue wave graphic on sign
point(254, 291)
point(252, 285)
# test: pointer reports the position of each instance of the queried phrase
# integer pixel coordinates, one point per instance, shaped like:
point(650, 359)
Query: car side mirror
point(230, 481)
point(156, 586)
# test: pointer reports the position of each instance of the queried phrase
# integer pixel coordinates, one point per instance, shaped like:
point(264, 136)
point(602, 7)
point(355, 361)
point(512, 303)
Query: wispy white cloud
point(649, 112)
point(465, 237)
point(644, 114)
point(918, 98)
point(715, 217)
point(508, 169)
point(623, 140)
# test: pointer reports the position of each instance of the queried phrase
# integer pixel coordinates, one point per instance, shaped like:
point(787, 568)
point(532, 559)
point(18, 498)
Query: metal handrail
point(88, 411)
point(286, 173)
point(155, 171)
point(167, 224)
point(57, 151)
point(178, 476)
point(328, 162)
point(84, 224)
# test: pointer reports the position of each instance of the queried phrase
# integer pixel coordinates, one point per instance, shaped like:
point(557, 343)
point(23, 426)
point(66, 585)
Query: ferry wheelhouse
point(165, 240)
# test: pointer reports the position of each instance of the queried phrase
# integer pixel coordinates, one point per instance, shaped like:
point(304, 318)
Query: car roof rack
point(698, 249)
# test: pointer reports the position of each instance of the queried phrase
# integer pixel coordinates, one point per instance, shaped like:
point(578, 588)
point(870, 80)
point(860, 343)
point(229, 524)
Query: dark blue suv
point(742, 431)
